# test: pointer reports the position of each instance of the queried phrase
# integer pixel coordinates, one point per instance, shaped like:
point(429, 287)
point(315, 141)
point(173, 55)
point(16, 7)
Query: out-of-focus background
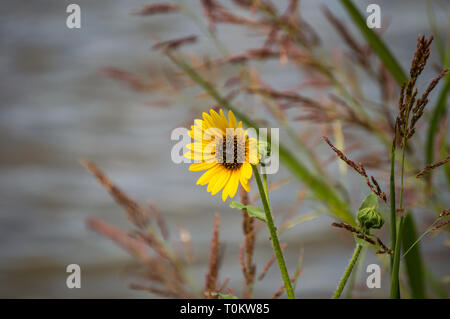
point(57, 107)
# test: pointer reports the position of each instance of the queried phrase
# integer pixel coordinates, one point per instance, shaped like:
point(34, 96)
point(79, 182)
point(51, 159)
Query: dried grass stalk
point(359, 168)
point(428, 168)
point(373, 240)
point(157, 8)
point(133, 246)
point(137, 214)
point(248, 228)
point(174, 44)
point(214, 261)
point(269, 263)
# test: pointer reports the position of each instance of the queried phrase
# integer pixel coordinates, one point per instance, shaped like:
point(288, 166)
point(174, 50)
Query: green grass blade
point(437, 36)
point(437, 115)
point(393, 213)
point(376, 43)
point(436, 286)
point(444, 154)
point(413, 260)
point(320, 189)
point(439, 110)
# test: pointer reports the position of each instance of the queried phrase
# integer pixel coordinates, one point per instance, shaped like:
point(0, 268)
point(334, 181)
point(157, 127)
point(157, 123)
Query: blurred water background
point(57, 107)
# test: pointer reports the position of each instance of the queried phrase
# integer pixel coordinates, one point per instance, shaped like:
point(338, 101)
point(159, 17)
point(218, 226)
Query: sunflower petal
point(246, 170)
point(206, 177)
point(196, 147)
point(245, 183)
point(233, 183)
point(194, 155)
point(214, 179)
point(218, 120)
point(222, 115)
point(208, 119)
point(252, 152)
point(213, 133)
point(200, 124)
point(195, 167)
point(199, 156)
point(196, 133)
point(225, 193)
point(221, 182)
point(232, 119)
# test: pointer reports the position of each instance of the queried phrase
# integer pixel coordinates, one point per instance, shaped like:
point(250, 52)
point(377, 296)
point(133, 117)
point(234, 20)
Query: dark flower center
point(230, 151)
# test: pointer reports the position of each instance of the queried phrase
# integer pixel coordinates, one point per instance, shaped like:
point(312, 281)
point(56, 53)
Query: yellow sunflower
point(224, 149)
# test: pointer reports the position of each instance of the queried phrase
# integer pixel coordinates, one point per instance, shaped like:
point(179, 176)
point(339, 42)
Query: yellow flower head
point(224, 149)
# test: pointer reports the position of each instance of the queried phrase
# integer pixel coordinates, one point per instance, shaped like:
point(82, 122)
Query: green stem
point(395, 283)
point(273, 235)
point(392, 202)
point(355, 274)
point(264, 180)
point(348, 271)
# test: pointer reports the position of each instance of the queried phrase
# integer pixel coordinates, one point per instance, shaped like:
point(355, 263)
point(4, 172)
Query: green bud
point(264, 150)
point(369, 218)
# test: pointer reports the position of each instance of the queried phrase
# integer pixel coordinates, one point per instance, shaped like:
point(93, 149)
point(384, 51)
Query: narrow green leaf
point(439, 110)
point(436, 117)
point(436, 286)
point(297, 220)
point(393, 213)
point(421, 237)
point(436, 34)
point(252, 211)
point(376, 43)
point(444, 154)
point(320, 189)
point(370, 202)
point(413, 260)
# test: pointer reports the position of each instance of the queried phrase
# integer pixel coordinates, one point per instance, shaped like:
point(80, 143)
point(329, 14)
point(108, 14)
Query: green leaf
point(252, 211)
point(370, 202)
point(376, 43)
point(223, 296)
point(413, 260)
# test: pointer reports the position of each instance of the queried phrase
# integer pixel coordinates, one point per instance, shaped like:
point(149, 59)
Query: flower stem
point(348, 271)
point(395, 282)
point(392, 204)
point(264, 180)
point(273, 235)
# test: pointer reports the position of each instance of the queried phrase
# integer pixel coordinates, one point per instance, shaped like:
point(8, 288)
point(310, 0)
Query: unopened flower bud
point(264, 151)
point(369, 218)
